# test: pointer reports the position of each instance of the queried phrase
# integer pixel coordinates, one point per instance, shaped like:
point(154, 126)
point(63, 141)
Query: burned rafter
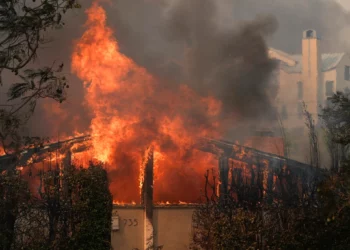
point(290, 173)
point(252, 156)
point(38, 154)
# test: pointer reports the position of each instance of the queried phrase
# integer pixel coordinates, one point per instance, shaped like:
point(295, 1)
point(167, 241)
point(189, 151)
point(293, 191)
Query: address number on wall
point(130, 222)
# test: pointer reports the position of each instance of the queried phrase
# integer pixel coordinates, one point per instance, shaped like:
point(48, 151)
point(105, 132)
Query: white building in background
point(309, 77)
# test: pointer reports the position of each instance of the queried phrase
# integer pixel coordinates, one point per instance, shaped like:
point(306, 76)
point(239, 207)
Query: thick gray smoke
point(232, 64)
point(139, 25)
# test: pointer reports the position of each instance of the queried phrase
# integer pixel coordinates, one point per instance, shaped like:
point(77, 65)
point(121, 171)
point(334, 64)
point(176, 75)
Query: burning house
point(156, 137)
point(151, 222)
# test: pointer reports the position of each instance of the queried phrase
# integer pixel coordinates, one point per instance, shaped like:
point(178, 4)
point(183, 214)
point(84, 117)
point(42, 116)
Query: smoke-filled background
point(209, 42)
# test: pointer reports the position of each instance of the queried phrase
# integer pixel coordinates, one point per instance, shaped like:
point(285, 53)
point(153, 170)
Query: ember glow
point(133, 110)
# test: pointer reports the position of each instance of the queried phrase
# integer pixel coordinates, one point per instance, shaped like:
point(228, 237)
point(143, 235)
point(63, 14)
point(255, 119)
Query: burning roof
point(219, 148)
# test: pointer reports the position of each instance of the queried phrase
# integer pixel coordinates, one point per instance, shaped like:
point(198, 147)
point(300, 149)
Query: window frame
point(326, 88)
point(347, 73)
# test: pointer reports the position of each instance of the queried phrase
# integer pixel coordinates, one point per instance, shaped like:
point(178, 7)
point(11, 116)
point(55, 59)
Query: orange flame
point(132, 110)
point(122, 203)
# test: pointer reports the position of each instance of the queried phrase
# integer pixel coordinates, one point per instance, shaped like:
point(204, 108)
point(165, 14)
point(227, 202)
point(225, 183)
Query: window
point(329, 88)
point(347, 73)
point(309, 33)
point(284, 113)
point(300, 90)
point(300, 110)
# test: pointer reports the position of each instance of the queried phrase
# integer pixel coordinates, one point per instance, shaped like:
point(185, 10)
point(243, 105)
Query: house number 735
point(130, 222)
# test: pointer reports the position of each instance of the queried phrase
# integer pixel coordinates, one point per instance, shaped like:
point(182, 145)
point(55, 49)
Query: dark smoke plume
point(232, 64)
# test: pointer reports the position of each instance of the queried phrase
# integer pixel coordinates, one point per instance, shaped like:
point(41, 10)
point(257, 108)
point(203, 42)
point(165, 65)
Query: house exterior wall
point(172, 227)
point(294, 124)
point(288, 97)
point(314, 94)
point(288, 92)
point(340, 72)
point(131, 228)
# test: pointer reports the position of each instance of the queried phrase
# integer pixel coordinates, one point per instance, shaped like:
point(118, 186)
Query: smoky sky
point(139, 24)
point(216, 46)
point(220, 47)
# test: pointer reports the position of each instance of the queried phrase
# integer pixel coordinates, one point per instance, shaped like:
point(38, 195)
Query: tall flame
point(133, 110)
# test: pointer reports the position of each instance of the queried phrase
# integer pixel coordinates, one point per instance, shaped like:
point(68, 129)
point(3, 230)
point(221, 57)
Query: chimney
point(147, 200)
point(311, 71)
